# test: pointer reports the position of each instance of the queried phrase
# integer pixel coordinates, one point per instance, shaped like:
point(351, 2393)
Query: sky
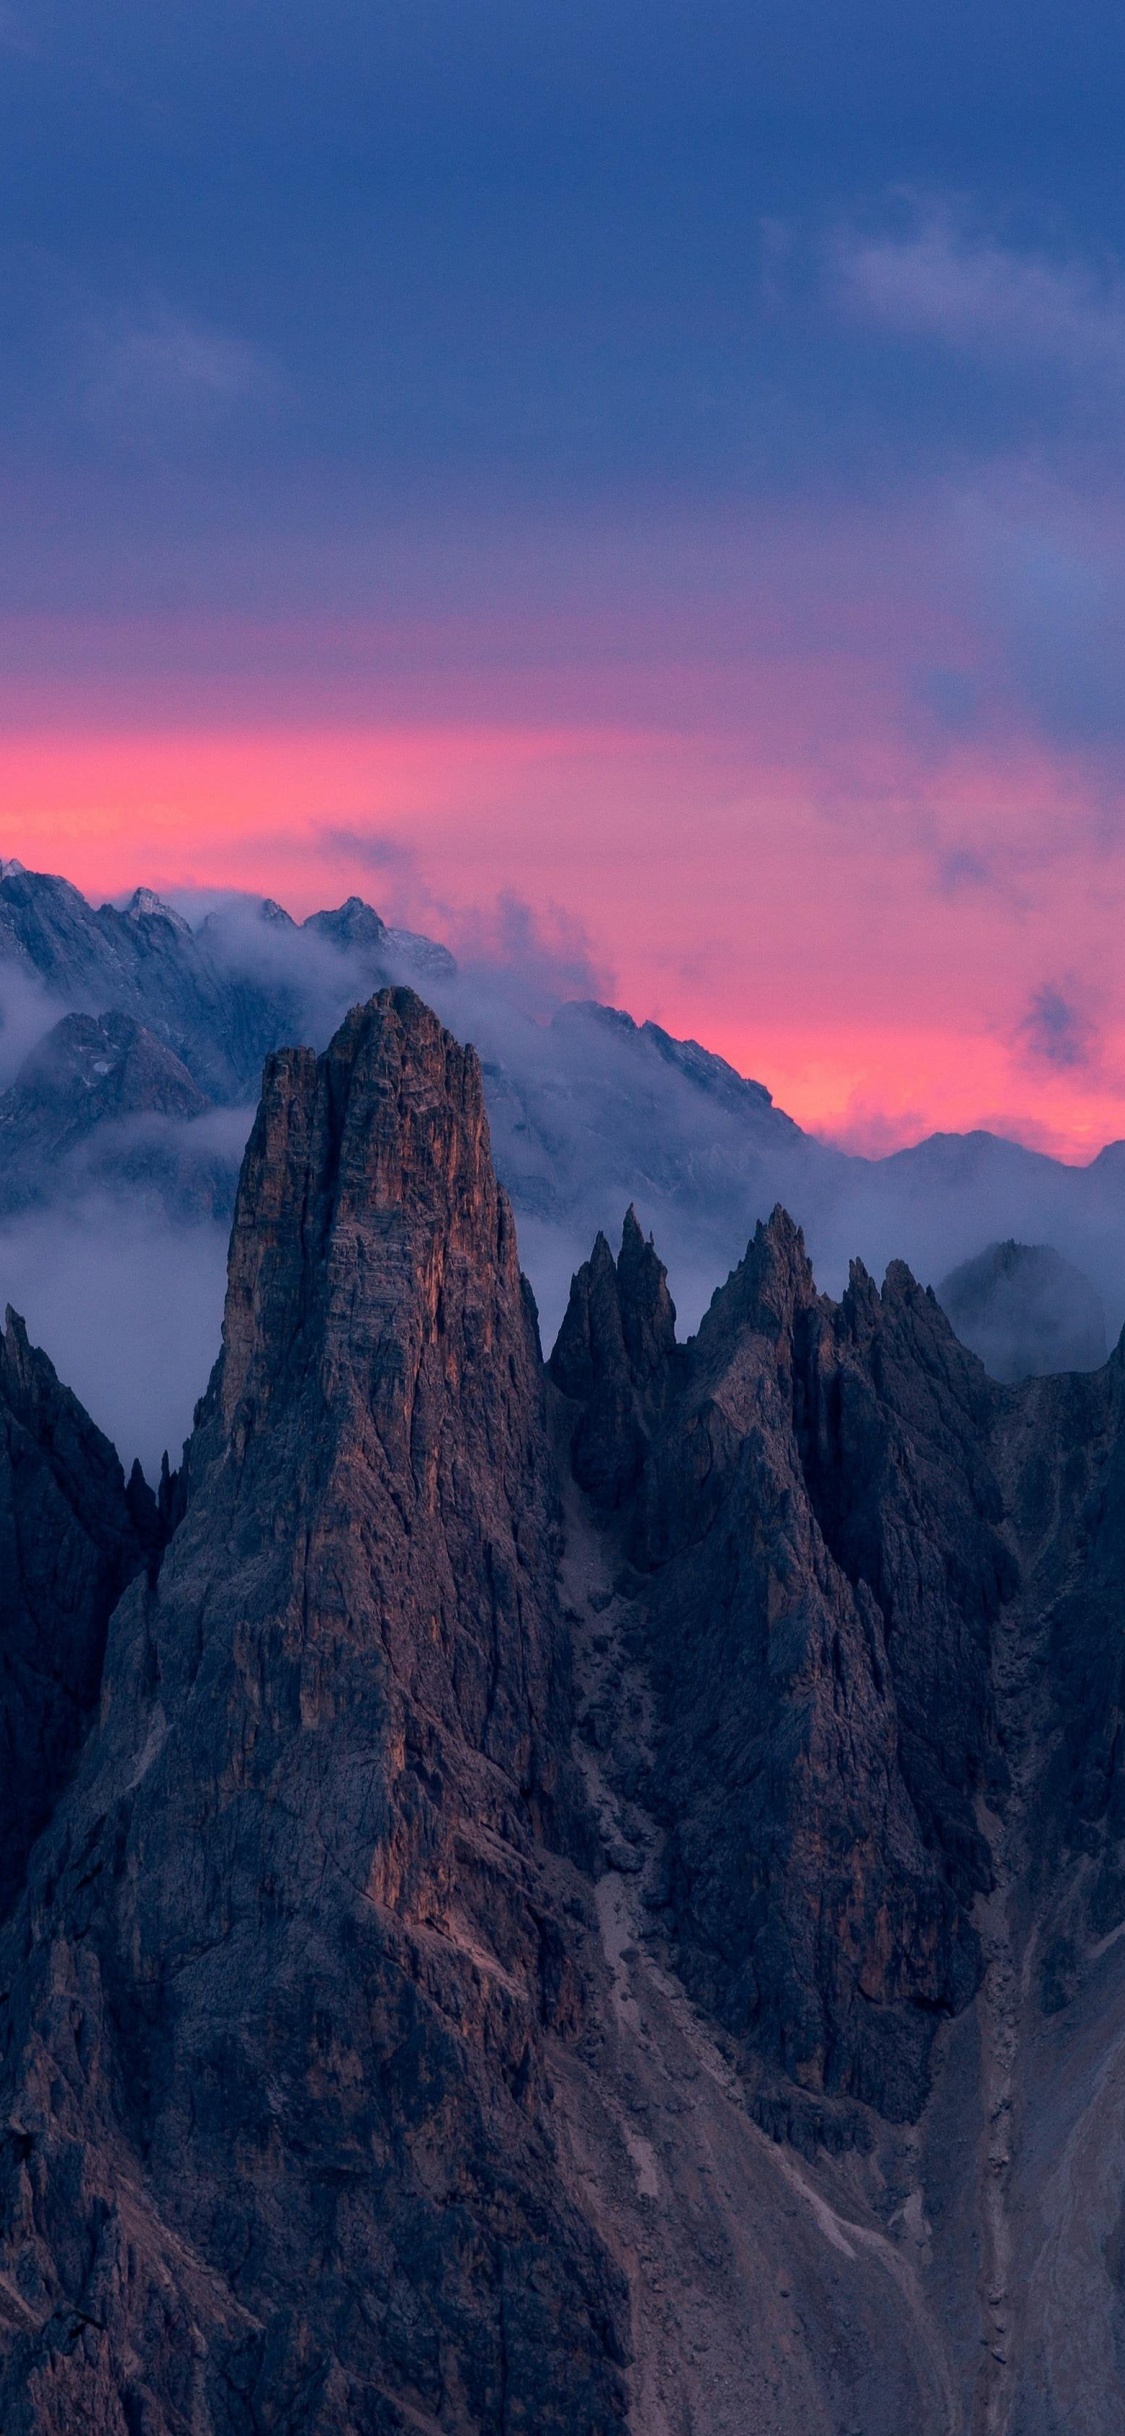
point(649, 475)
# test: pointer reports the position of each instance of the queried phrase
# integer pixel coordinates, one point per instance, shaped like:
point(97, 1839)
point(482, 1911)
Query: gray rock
point(818, 1520)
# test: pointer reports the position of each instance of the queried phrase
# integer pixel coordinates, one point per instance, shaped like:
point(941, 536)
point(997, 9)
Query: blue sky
point(268, 267)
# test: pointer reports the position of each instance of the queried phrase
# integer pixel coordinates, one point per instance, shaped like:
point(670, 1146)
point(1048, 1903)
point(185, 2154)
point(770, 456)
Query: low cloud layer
point(27, 1013)
point(129, 1307)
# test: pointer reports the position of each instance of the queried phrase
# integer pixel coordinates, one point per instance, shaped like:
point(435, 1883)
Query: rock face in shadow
point(613, 1352)
point(816, 1525)
point(278, 1991)
point(1066, 1440)
point(90, 1076)
point(1025, 1311)
point(71, 1537)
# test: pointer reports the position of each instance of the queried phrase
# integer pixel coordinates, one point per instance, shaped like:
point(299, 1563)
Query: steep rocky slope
point(98, 1097)
point(592, 1898)
point(72, 1534)
point(220, 997)
point(855, 1702)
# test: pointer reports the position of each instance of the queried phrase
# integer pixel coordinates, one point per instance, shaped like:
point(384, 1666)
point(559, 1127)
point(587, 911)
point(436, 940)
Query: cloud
point(1057, 1031)
point(868, 1129)
point(963, 870)
point(128, 1306)
point(1004, 306)
point(27, 1012)
point(535, 957)
point(373, 850)
point(163, 364)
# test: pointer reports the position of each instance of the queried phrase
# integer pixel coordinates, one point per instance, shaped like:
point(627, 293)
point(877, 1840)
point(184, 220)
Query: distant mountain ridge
point(589, 1110)
point(185, 985)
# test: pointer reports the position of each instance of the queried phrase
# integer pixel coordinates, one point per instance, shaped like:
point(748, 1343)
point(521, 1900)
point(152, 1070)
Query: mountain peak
point(308, 1848)
point(350, 925)
point(144, 905)
point(615, 1345)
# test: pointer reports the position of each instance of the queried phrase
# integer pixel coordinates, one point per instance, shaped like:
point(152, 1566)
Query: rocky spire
point(298, 1892)
point(613, 1354)
point(818, 1518)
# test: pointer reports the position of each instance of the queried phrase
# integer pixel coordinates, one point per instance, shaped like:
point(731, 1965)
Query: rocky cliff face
point(278, 1989)
point(590, 1899)
point(866, 1614)
point(71, 1536)
point(815, 1528)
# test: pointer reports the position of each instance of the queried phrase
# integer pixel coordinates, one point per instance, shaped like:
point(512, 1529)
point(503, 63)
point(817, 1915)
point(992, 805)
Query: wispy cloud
point(1057, 1029)
point(983, 298)
point(964, 870)
point(163, 363)
point(373, 850)
point(544, 954)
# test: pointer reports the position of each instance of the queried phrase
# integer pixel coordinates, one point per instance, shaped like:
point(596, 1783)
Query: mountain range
point(129, 1066)
point(563, 1896)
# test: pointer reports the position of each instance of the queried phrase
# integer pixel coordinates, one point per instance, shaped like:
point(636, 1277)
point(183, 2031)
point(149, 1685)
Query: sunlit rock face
point(569, 1898)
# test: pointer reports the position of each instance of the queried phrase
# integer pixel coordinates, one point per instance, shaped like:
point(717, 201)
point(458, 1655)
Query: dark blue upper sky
point(281, 275)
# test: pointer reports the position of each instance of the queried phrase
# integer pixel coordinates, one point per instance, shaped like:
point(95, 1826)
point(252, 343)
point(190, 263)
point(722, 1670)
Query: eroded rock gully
point(575, 1900)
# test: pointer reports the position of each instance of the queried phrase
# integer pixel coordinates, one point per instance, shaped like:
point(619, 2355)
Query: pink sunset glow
point(900, 948)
